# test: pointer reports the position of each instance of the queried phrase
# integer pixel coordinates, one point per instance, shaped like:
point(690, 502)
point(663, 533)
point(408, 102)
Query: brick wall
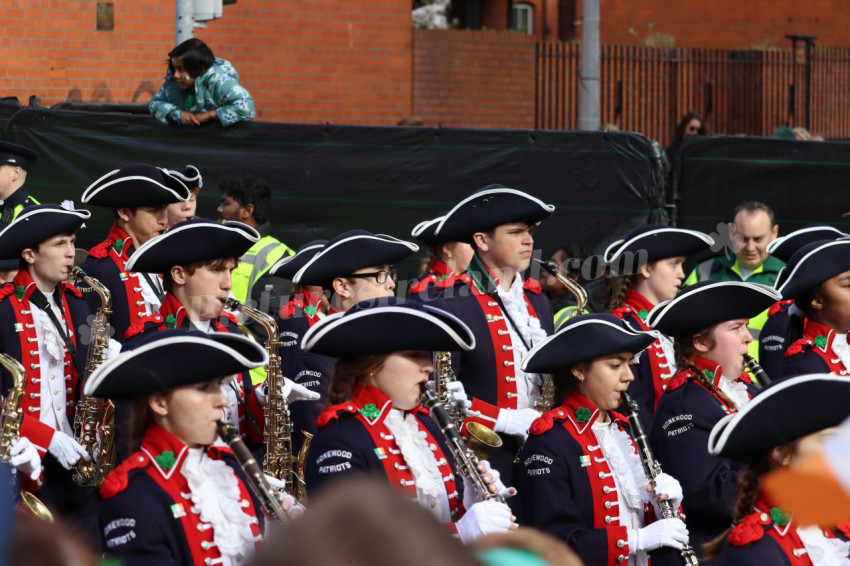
point(474, 79)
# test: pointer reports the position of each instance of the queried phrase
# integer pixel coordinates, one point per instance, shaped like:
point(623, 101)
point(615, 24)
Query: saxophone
point(94, 421)
point(10, 426)
point(277, 462)
point(443, 375)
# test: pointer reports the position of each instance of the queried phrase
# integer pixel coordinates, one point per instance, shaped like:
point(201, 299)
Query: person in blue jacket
point(762, 532)
point(817, 278)
point(199, 88)
point(580, 473)
point(708, 322)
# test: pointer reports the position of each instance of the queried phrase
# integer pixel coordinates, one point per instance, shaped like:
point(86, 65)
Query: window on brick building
point(522, 17)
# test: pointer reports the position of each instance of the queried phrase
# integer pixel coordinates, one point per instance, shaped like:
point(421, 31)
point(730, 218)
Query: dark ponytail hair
point(797, 324)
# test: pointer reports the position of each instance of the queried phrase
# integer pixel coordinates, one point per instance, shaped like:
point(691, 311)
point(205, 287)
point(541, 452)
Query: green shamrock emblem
point(19, 291)
point(170, 321)
point(709, 374)
point(166, 460)
point(642, 314)
point(582, 415)
point(118, 245)
point(310, 310)
point(370, 411)
point(820, 341)
point(779, 515)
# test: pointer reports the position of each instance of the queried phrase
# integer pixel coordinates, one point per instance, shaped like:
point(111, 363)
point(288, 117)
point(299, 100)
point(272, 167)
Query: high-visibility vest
point(255, 263)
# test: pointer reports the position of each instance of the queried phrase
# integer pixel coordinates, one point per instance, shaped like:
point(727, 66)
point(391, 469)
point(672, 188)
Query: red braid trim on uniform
point(776, 307)
point(117, 480)
point(333, 412)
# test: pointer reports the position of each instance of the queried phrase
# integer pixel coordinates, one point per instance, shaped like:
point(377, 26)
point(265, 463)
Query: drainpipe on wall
point(185, 20)
point(588, 104)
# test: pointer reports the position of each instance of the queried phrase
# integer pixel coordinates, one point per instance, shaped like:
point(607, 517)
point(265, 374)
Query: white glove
point(66, 450)
point(484, 518)
point(665, 484)
point(458, 395)
point(113, 349)
point(24, 457)
point(291, 391)
point(666, 532)
point(515, 422)
point(492, 478)
point(289, 503)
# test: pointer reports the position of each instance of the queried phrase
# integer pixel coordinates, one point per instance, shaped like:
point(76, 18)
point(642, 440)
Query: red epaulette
point(288, 309)
point(547, 420)
point(453, 280)
point(620, 312)
point(776, 307)
point(422, 284)
point(139, 326)
point(333, 412)
point(6, 290)
point(101, 250)
point(117, 480)
point(798, 346)
point(678, 380)
point(73, 288)
point(750, 529)
point(532, 285)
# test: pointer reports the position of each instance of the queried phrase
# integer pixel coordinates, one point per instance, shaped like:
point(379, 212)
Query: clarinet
point(272, 508)
point(465, 459)
point(651, 468)
point(757, 371)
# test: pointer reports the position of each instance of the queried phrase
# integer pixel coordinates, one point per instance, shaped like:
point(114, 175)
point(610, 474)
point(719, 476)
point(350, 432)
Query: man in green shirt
point(752, 229)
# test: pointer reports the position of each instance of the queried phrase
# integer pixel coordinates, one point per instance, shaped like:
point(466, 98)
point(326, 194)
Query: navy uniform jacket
point(147, 517)
point(353, 439)
point(679, 436)
point(813, 353)
point(314, 372)
point(772, 339)
point(487, 371)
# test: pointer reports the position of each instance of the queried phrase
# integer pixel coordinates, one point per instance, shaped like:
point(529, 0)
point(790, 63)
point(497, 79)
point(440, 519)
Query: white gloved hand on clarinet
point(485, 518)
point(493, 480)
point(666, 488)
point(666, 532)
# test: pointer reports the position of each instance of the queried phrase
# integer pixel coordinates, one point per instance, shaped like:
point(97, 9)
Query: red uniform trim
point(812, 331)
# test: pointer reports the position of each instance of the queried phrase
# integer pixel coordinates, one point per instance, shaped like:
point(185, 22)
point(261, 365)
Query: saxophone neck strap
point(38, 299)
point(247, 411)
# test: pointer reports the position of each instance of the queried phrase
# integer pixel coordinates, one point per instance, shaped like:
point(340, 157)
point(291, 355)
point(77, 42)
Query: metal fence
point(749, 92)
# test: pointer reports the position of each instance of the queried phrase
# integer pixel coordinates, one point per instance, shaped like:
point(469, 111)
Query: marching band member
point(179, 499)
point(374, 423)
point(507, 315)
point(647, 263)
point(354, 266)
point(184, 210)
point(708, 322)
point(817, 278)
point(139, 195)
point(777, 429)
point(46, 332)
point(196, 258)
point(772, 343)
point(445, 258)
point(580, 474)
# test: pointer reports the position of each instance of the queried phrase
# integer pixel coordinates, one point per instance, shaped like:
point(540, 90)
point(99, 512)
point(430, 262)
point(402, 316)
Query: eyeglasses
point(380, 276)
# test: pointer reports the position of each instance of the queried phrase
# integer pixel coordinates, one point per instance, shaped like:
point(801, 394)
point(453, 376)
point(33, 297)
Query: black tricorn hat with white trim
point(136, 184)
point(783, 412)
point(708, 303)
point(387, 325)
point(583, 338)
point(425, 232)
point(654, 242)
point(784, 247)
point(196, 239)
point(190, 175)
point(487, 208)
point(36, 224)
point(14, 154)
point(811, 265)
point(350, 251)
point(156, 361)
point(289, 265)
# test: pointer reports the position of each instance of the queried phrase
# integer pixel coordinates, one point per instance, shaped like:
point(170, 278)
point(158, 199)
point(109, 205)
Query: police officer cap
point(387, 325)
point(489, 207)
point(784, 247)
point(36, 224)
point(155, 361)
point(288, 266)
point(708, 303)
point(136, 184)
point(811, 265)
point(190, 175)
point(196, 239)
point(785, 411)
point(651, 243)
point(425, 232)
point(14, 154)
point(349, 252)
point(583, 338)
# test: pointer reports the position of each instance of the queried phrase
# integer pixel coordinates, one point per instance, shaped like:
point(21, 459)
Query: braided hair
point(683, 347)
